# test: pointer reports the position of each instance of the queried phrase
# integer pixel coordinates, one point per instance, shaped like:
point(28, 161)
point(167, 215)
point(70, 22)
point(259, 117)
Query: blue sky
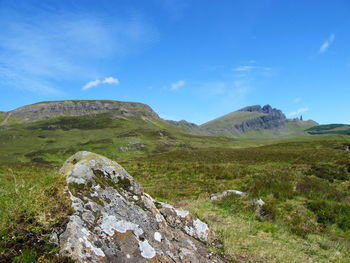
point(187, 59)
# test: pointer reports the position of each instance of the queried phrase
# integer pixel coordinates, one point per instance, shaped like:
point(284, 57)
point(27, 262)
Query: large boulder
point(115, 221)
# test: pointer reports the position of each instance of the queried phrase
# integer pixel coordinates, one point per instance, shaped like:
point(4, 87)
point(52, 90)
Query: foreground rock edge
point(115, 221)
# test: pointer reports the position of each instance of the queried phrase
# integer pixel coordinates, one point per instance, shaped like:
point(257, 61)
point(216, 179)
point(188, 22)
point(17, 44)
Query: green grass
point(305, 186)
point(32, 204)
point(330, 129)
point(304, 181)
point(228, 121)
point(54, 140)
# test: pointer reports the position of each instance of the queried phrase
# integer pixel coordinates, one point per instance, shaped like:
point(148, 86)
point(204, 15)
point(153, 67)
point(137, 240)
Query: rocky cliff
point(248, 119)
point(271, 119)
point(53, 109)
point(115, 221)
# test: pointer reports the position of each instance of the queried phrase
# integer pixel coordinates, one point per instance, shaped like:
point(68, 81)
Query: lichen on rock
point(115, 221)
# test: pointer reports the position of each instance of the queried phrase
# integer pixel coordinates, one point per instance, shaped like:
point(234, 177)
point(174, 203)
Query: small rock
point(54, 238)
point(259, 202)
point(225, 193)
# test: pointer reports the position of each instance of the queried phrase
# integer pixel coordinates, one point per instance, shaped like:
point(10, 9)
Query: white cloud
point(326, 44)
point(247, 68)
point(177, 85)
point(244, 68)
point(297, 112)
point(111, 80)
point(97, 82)
point(91, 84)
point(57, 45)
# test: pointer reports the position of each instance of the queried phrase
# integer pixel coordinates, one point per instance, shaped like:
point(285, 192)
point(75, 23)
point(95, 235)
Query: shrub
point(330, 171)
point(331, 212)
point(278, 184)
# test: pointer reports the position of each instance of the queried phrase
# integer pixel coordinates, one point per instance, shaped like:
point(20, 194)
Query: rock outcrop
point(53, 109)
point(115, 221)
point(272, 119)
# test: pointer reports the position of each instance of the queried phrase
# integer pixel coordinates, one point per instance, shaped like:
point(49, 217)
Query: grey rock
point(136, 146)
point(272, 120)
point(225, 193)
point(115, 221)
point(259, 202)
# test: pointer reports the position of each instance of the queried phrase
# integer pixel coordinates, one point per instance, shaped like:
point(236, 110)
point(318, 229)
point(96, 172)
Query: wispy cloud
point(235, 87)
point(55, 45)
point(244, 68)
point(326, 44)
point(247, 68)
point(97, 82)
point(111, 80)
point(177, 85)
point(298, 111)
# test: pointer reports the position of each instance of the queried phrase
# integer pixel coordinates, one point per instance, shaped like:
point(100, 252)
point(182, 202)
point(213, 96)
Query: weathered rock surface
point(272, 120)
point(248, 119)
point(225, 193)
point(136, 146)
point(115, 221)
point(53, 109)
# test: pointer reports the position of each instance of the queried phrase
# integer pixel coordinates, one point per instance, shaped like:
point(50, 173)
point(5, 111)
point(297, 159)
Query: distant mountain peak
point(267, 109)
point(254, 108)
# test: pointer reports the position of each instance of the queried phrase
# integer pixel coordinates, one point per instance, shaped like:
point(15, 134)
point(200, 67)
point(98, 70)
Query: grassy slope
point(330, 129)
point(293, 128)
point(305, 186)
point(195, 167)
point(229, 120)
point(53, 141)
point(56, 139)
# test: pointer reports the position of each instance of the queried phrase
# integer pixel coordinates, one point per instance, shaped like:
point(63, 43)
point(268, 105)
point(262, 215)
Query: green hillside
point(257, 122)
point(304, 181)
point(54, 140)
point(306, 215)
point(229, 120)
point(330, 129)
point(307, 212)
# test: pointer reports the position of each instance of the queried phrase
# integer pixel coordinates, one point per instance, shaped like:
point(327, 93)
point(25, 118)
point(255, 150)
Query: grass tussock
point(32, 205)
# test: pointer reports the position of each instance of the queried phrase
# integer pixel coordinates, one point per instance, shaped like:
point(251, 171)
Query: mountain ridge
point(69, 108)
point(265, 120)
point(255, 118)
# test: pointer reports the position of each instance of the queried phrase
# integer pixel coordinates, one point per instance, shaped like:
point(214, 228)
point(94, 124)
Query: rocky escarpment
point(53, 109)
point(115, 221)
point(272, 119)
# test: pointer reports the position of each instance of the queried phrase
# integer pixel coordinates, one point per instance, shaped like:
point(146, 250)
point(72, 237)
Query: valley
point(298, 168)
